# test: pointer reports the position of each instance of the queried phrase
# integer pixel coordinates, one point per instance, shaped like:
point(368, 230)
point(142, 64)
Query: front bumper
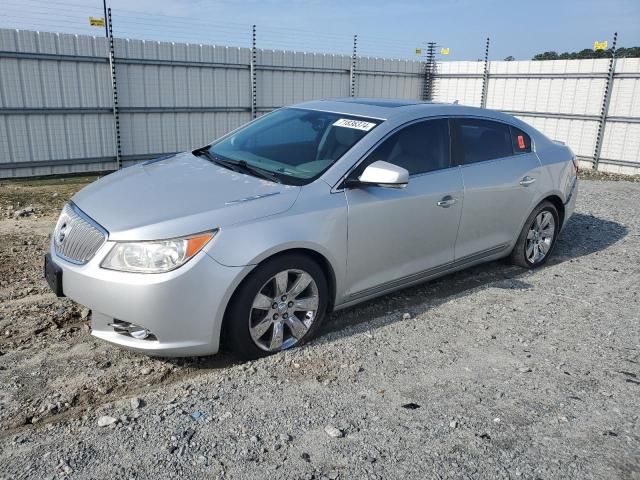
point(183, 309)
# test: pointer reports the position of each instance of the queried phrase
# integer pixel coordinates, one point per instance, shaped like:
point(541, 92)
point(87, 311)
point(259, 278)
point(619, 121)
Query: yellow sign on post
point(418, 51)
point(96, 22)
point(600, 45)
point(444, 51)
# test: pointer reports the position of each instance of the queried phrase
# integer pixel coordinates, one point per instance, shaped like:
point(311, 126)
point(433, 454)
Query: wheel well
point(557, 202)
point(324, 264)
point(320, 259)
point(317, 257)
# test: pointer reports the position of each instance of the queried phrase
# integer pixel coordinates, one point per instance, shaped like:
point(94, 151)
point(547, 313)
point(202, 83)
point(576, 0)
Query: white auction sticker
point(357, 124)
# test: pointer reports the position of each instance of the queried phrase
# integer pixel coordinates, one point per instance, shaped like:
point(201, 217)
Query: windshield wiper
point(258, 171)
point(238, 165)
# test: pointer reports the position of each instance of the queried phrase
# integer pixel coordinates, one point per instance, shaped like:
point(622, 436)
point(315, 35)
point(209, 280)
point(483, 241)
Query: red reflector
point(521, 144)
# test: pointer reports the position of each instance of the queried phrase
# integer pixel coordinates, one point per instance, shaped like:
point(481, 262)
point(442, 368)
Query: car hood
point(179, 195)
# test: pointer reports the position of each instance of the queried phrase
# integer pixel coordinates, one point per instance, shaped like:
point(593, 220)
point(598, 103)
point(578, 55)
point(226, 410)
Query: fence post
point(485, 76)
point(602, 121)
point(114, 91)
point(352, 72)
point(429, 72)
point(106, 24)
point(254, 83)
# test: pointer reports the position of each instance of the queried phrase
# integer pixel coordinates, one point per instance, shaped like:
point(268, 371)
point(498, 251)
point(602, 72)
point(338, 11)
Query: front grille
point(77, 237)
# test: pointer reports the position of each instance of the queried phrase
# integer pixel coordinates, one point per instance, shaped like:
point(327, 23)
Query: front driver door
point(398, 235)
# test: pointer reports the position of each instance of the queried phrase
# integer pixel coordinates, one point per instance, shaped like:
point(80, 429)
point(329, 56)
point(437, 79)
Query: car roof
point(380, 108)
point(380, 102)
point(391, 109)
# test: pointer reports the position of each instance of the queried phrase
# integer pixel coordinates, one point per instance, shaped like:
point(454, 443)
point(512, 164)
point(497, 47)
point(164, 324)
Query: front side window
point(480, 140)
point(421, 147)
point(294, 144)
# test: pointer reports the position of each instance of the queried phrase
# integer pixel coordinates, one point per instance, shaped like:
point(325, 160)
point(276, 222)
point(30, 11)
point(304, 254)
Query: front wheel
point(280, 305)
point(538, 237)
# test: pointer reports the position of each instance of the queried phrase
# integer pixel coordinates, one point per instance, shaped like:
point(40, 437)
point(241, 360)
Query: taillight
point(575, 163)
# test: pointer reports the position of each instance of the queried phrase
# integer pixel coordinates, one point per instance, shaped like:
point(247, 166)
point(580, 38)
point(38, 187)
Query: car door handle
point(526, 181)
point(447, 201)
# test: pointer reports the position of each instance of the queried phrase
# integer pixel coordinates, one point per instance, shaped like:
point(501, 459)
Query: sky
point(384, 28)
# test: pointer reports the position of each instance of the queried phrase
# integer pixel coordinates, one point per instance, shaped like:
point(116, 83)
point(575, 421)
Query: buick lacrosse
point(250, 241)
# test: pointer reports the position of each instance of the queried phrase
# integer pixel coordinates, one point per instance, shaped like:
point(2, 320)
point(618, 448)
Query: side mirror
point(382, 174)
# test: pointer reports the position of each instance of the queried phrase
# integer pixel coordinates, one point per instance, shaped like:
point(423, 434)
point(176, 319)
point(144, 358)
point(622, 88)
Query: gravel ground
point(494, 372)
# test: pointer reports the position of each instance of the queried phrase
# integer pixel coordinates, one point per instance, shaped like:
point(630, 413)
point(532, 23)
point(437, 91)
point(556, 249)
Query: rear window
point(521, 141)
point(480, 140)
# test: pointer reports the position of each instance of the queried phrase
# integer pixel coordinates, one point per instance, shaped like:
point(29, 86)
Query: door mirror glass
point(384, 174)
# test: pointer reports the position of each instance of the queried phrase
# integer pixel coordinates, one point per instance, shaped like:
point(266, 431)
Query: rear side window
point(480, 140)
point(421, 147)
point(521, 141)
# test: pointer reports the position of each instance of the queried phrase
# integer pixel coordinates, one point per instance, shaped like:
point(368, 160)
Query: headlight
point(156, 256)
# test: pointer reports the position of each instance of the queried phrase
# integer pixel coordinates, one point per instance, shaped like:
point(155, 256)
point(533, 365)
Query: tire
point(529, 251)
point(263, 311)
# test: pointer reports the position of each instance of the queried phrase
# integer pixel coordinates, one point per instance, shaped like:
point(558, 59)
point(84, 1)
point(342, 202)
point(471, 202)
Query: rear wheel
point(538, 237)
point(279, 306)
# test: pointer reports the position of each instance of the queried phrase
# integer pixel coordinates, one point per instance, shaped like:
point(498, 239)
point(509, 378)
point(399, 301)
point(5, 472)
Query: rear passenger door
point(499, 172)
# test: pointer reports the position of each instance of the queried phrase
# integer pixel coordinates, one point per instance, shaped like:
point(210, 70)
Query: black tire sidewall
point(235, 332)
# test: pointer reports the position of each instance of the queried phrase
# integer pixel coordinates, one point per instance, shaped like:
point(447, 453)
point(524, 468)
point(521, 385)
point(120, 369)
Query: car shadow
point(583, 235)
point(220, 360)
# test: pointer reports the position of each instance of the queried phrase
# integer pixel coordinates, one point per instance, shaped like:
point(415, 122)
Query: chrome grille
point(77, 237)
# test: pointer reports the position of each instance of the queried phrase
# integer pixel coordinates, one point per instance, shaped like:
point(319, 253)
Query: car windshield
point(297, 145)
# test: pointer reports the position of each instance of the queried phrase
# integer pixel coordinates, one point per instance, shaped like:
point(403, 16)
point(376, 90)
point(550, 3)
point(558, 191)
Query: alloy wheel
point(540, 237)
point(283, 310)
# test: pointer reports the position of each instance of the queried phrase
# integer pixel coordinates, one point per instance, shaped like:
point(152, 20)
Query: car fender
point(317, 222)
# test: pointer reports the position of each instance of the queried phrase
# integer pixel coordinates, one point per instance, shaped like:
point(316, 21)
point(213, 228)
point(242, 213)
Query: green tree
point(546, 56)
point(510, 58)
point(631, 52)
point(622, 52)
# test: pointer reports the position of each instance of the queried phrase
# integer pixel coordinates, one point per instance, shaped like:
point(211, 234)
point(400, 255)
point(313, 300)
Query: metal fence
point(58, 113)
point(576, 101)
point(64, 109)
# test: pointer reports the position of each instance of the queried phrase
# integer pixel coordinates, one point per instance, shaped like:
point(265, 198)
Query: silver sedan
point(249, 242)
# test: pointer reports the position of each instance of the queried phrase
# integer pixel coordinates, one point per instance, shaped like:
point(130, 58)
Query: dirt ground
point(498, 373)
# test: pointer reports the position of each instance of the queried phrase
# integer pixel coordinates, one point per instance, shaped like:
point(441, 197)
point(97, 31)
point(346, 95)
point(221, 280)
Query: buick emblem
point(62, 233)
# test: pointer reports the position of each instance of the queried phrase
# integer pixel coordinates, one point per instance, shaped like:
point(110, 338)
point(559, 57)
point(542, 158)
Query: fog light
point(132, 330)
point(139, 333)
